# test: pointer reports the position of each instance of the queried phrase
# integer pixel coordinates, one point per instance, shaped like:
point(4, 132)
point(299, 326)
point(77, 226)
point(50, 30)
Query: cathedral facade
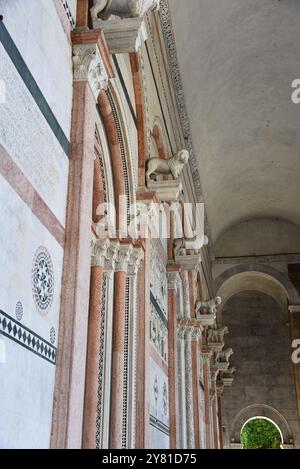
point(114, 311)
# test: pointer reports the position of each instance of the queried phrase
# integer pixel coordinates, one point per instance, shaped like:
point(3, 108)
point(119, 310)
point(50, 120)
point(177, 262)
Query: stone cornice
point(294, 308)
point(258, 259)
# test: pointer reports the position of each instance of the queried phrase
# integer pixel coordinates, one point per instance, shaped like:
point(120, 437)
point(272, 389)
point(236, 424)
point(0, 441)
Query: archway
point(261, 433)
point(265, 412)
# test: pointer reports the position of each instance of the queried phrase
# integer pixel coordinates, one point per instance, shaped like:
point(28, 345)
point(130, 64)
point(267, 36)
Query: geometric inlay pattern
point(19, 310)
point(52, 335)
point(42, 280)
point(26, 338)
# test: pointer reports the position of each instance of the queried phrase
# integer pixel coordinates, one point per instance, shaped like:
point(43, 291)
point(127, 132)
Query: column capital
point(181, 332)
point(99, 249)
point(91, 60)
point(124, 253)
point(136, 257)
point(294, 308)
point(173, 280)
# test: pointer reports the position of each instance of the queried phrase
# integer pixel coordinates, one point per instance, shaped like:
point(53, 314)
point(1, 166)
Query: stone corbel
point(123, 36)
point(89, 66)
point(294, 309)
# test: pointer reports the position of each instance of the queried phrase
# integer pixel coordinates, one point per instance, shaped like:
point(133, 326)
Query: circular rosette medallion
point(42, 280)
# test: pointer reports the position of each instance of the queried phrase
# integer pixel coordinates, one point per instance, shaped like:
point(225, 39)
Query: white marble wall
point(159, 399)
point(27, 380)
point(27, 137)
point(38, 34)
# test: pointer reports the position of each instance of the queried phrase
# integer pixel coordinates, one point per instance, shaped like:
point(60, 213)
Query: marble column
point(99, 248)
point(189, 388)
point(295, 333)
point(214, 404)
point(186, 296)
point(220, 419)
point(181, 386)
point(127, 262)
point(173, 283)
point(206, 374)
point(196, 384)
point(90, 76)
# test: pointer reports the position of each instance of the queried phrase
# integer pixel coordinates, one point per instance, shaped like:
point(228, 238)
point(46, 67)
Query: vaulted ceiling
point(238, 59)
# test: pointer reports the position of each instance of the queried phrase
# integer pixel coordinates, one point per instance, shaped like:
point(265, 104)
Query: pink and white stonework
point(114, 297)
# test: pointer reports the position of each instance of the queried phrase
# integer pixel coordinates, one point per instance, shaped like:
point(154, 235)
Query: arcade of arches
point(149, 191)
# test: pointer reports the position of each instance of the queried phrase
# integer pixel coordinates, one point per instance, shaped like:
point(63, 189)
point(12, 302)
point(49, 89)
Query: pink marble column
point(117, 372)
point(67, 422)
point(173, 279)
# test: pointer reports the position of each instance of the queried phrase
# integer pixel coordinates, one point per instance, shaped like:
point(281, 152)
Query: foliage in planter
point(260, 434)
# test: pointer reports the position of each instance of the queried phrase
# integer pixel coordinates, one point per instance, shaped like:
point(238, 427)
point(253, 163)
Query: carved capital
point(196, 334)
point(173, 280)
point(135, 260)
point(111, 256)
point(89, 66)
point(99, 250)
point(124, 253)
point(181, 332)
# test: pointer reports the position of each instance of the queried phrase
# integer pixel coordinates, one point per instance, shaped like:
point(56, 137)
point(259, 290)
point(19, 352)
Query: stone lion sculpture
point(214, 334)
point(223, 356)
point(173, 166)
point(231, 371)
point(103, 9)
point(211, 305)
point(195, 243)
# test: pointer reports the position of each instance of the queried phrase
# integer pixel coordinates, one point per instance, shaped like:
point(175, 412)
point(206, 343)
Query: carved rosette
point(89, 66)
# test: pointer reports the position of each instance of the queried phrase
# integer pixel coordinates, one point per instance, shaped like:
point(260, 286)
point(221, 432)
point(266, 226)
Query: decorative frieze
point(89, 66)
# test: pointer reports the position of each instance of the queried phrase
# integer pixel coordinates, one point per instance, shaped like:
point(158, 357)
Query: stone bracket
point(123, 36)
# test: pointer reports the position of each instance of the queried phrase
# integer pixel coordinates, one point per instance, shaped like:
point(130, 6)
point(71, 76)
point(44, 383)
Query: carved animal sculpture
point(173, 166)
point(223, 356)
point(195, 243)
point(214, 334)
point(210, 305)
point(231, 371)
point(123, 8)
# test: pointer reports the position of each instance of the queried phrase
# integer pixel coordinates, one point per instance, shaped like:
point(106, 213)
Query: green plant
point(260, 434)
